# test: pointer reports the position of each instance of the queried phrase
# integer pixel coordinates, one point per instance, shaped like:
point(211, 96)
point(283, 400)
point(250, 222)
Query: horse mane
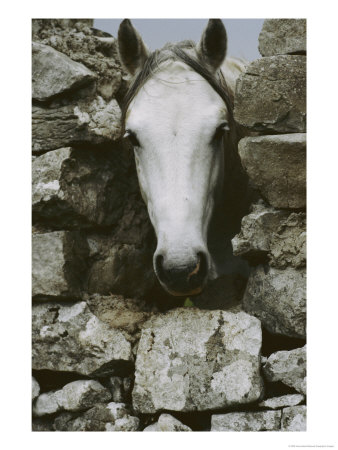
point(236, 202)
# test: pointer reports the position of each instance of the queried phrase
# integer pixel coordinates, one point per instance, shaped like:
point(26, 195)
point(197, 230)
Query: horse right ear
point(133, 52)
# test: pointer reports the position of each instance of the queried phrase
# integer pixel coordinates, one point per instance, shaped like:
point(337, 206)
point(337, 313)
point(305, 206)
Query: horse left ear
point(213, 44)
point(132, 50)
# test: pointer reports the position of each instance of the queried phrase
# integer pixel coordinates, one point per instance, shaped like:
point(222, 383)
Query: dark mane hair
point(236, 203)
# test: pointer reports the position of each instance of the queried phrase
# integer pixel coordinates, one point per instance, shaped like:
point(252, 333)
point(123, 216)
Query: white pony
point(178, 117)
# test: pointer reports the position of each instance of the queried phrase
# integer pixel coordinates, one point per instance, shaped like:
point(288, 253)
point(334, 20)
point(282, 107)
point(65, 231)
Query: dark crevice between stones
point(272, 343)
point(50, 380)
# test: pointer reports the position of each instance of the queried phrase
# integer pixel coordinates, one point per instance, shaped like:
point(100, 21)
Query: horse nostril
point(159, 267)
point(200, 270)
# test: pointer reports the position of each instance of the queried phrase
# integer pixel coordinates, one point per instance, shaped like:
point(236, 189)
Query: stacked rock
point(104, 358)
point(91, 233)
point(271, 100)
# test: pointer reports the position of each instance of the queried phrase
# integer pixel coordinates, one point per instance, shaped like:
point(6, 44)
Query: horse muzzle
point(186, 278)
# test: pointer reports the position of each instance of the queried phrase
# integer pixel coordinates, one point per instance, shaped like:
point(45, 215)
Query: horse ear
point(132, 50)
point(213, 44)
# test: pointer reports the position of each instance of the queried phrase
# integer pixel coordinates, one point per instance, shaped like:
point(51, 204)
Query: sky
point(242, 33)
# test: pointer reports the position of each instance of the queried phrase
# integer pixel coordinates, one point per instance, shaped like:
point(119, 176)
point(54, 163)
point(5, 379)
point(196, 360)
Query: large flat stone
point(58, 264)
point(92, 121)
point(247, 421)
point(278, 298)
point(276, 165)
point(289, 367)
point(192, 360)
point(271, 95)
point(70, 338)
point(54, 73)
point(80, 188)
point(282, 36)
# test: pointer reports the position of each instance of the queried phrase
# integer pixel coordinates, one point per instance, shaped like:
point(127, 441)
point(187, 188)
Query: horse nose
point(184, 279)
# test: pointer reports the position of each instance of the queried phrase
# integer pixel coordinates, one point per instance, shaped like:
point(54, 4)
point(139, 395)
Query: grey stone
point(288, 243)
point(95, 49)
point(101, 417)
point(294, 418)
point(76, 396)
point(79, 188)
point(278, 298)
point(274, 235)
point(92, 121)
point(42, 424)
point(271, 95)
point(276, 165)
point(167, 422)
point(192, 360)
point(253, 241)
point(284, 400)
point(58, 264)
point(289, 367)
point(54, 73)
point(70, 338)
point(247, 421)
point(282, 36)
point(35, 389)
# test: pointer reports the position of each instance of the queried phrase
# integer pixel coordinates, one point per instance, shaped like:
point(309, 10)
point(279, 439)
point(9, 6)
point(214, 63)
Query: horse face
point(176, 123)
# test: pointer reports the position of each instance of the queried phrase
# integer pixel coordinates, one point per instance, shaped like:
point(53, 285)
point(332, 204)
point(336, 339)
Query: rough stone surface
point(282, 401)
point(95, 49)
point(254, 239)
point(276, 165)
point(58, 264)
point(271, 95)
point(247, 421)
point(102, 417)
point(294, 418)
point(288, 243)
point(80, 188)
point(289, 367)
point(92, 121)
point(35, 389)
point(167, 422)
point(42, 424)
point(282, 36)
point(274, 235)
point(70, 338)
point(54, 73)
point(76, 396)
point(278, 299)
point(192, 360)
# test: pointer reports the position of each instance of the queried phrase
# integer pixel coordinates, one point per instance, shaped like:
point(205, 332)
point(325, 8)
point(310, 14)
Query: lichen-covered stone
point(53, 73)
point(35, 389)
point(276, 165)
point(76, 396)
point(274, 235)
point(58, 264)
point(253, 241)
point(96, 49)
point(294, 418)
point(84, 121)
point(289, 367)
point(79, 188)
point(70, 338)
point(278, 298)
point(271, 95)
point(247, 421)
point(102, 417)
point(282, 36)
point(166, 422)
point(282, 401)
point(192, 360)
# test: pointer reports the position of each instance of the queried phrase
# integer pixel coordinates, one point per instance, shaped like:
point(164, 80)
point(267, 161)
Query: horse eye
point(224, 126)
point(132, 138)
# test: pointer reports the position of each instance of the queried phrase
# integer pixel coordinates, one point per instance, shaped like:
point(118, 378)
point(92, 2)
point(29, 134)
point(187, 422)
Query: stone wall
point(106, 356)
